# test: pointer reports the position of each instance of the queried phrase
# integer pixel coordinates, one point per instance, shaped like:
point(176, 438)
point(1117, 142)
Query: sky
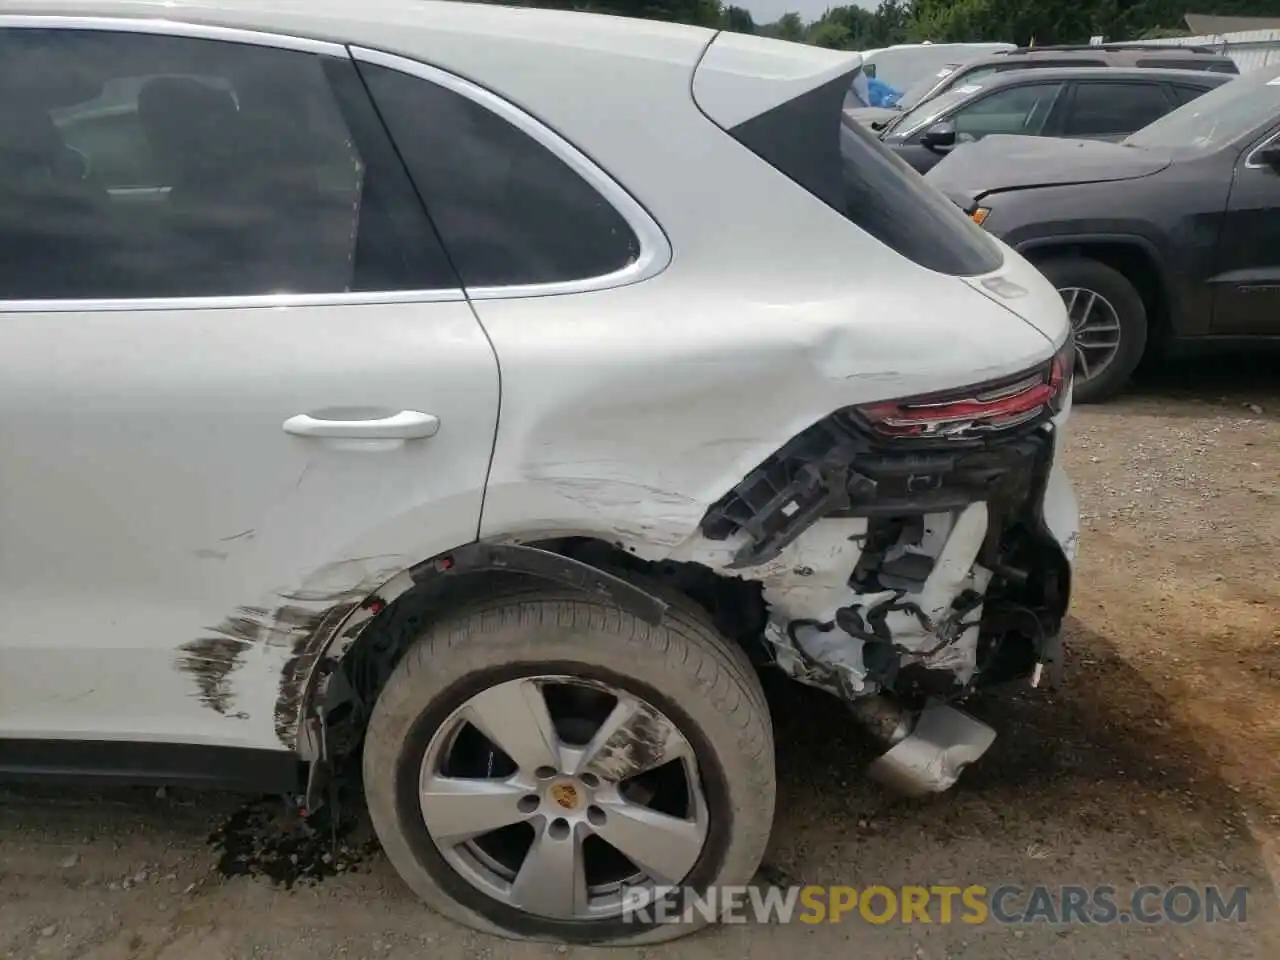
point(766, 11)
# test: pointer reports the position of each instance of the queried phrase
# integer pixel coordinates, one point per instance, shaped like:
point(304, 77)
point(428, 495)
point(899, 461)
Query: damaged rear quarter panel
point(627, 412)
point(632, 435)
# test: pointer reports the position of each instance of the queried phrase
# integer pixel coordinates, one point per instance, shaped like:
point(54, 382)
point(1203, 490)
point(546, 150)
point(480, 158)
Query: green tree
point(829, 33)
point(739, 20)
point(1164, 33)
point(789, 27)
point(847, 28)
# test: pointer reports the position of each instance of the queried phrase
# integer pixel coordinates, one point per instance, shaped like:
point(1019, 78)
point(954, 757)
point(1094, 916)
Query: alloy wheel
point(555, 795)
point(1096, 326)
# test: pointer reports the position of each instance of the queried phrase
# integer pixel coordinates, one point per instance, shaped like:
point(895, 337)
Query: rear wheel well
point(1130, 259)
point(736, 607)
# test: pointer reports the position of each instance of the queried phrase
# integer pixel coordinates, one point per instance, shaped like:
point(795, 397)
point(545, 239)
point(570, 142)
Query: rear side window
point(509, 211)
point(967, 77)
point(840, 161)
point(1022, 110)
point(140, 166)
point(1115, 109)
point(1184, 94)
point(979, 73)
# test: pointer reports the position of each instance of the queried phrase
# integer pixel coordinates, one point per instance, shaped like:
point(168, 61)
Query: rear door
point(1247, 285)
point(1113, 109)
point(239, 382)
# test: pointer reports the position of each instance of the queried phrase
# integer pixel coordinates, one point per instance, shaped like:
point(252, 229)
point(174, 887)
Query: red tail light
point(981, 409)
point(1062, 371)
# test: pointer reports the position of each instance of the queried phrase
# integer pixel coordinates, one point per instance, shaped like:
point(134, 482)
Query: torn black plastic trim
point(838, 467)
point(535, 562)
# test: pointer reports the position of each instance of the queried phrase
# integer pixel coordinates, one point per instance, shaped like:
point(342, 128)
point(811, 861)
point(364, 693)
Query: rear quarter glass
point(810, 140)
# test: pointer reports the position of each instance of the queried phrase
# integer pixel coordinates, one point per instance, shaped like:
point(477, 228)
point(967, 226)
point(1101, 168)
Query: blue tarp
point(881, 94)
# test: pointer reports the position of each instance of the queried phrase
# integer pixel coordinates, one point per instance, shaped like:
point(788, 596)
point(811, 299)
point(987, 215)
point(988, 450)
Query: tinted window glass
point(140, 166)
point(509, 211)
point(840, 161)
point(1018, 110)
point(1115, 109)
point(927, 112)
point(917, 92)
point(1183, 94)
point(1239, 109)
point(968, 76)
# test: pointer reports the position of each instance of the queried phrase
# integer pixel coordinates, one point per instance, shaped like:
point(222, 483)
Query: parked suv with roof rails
point(1168, 241)
point(1138, 56)
point(1087, 103)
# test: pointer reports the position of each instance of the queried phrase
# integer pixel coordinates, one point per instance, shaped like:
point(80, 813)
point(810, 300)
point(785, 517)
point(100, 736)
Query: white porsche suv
point(497, 392)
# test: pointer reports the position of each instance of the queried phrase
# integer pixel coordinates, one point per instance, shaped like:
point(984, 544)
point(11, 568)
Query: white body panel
point(742, 76)
point(149, 495)
point(142, 446)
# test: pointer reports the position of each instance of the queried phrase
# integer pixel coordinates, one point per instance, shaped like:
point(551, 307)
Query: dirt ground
point(1158, 763)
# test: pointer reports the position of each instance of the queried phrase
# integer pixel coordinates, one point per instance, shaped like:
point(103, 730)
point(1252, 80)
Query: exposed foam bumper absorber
point(928, 749)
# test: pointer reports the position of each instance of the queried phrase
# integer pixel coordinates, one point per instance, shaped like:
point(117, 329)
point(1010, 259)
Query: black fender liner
point(480, 557)
point(1138, 241)
point(1172, 290)
point(1073, 239)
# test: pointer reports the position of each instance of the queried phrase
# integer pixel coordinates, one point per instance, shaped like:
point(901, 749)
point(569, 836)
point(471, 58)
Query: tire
point(699, 681)
point(1115, 289)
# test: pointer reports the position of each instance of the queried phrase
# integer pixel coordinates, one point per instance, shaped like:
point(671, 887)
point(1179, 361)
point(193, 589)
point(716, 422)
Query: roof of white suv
point(578, 73)
point(400, 24)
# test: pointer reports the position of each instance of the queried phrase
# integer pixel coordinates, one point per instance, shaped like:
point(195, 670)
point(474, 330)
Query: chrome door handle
point(405, 425)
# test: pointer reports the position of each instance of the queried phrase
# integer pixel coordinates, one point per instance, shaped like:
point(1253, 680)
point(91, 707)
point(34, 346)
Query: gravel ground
point(1158, 763)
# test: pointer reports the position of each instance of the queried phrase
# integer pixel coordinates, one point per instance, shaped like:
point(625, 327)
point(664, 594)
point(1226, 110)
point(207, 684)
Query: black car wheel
point(1109, 320)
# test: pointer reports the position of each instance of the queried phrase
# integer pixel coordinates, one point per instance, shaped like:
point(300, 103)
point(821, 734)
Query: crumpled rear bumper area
point(903, 576)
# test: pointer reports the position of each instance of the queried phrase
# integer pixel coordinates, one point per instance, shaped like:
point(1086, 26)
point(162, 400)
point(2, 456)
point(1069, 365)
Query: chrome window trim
point(252, 301)
point(196, 31)
point(1248, 161)
point(655, 250)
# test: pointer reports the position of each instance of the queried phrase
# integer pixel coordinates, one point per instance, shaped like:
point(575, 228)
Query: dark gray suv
point(1139, 56)
point(1169, 239)
point(1094, 103)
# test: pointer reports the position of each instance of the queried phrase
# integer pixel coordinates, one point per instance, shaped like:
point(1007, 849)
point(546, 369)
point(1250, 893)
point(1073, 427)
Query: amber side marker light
point(979, 215)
